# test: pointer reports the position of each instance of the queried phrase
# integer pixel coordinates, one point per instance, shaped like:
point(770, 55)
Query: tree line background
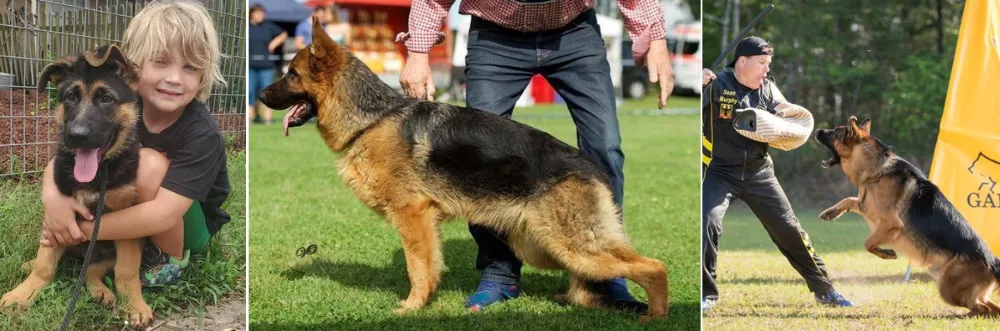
point(887, 60)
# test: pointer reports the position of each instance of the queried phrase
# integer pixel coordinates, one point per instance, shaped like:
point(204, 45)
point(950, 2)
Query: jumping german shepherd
point(419, 163)
point(909, 214)
point(97, 116)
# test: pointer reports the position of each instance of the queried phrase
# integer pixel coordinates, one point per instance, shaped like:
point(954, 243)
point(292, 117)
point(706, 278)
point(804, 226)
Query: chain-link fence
point(33, 32)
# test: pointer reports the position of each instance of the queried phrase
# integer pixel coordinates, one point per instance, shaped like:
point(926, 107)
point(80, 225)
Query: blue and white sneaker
point(833, 299)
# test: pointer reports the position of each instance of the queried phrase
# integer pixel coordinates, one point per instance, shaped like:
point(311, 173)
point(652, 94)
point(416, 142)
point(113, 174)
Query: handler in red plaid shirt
point(509, 42)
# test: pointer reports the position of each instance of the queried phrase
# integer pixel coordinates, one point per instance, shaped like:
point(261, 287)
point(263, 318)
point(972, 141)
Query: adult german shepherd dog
point(96, 117)
point(909, 214)
point(419, 163)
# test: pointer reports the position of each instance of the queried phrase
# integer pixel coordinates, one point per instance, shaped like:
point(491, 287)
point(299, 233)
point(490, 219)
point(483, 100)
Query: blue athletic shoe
point(707, 303)
point(833, 299)
point(490, 292)
point(623, 300)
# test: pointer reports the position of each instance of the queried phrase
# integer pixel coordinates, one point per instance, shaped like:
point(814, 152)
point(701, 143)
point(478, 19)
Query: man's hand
point(660, 69)
point(60, 227)
point(706, 77)
point(416, 78)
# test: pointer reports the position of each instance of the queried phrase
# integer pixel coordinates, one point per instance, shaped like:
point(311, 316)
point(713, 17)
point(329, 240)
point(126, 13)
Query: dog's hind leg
point(417, 226)
point(964, 284)
point(582, 293)
point(882, 236)
point(129, 256)
point(43, 268)
point(616, 261)
point(95, 280)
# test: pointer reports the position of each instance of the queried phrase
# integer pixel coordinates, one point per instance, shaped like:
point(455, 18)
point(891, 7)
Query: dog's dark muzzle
point(825, 137)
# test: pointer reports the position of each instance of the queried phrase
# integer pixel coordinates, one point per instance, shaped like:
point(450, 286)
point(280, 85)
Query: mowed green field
point(358, 276)
point(759, 290)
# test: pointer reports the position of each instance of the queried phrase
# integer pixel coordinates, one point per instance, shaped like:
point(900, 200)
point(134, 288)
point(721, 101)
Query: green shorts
point(196, 234)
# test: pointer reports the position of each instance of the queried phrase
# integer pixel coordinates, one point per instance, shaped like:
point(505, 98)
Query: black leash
point(90, 249)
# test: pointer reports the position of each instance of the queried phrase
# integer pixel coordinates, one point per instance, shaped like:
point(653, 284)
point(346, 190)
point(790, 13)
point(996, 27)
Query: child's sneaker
point(161, 269)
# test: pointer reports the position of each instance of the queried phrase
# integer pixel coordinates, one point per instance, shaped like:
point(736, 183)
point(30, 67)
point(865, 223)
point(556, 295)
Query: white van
point(684, 42)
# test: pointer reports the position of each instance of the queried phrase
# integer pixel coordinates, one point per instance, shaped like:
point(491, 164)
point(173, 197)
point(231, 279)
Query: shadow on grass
point(456, 253)
point(462, 252)
point(682, 317)
point(884, 279)
point(833, 314)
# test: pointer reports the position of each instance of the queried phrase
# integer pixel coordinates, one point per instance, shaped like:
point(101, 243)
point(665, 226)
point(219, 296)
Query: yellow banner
point(966, 163)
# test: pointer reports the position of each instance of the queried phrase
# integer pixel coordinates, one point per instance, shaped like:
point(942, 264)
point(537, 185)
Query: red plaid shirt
point(643, 19)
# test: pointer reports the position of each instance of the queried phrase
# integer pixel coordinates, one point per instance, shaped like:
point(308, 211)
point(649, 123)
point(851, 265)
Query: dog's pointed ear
point(866, 125)
point(321, 42)
point(852, 126)
point(55, 72)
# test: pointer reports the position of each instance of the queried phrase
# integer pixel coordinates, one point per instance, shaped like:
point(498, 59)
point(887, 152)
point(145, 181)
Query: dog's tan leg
point(846, 205)
point(620, 260)
point(966, 284)
point(580, 293)
point(417, 223)
point(882, 236)
point(95, 280)
point(127, 281)
point(43, 268)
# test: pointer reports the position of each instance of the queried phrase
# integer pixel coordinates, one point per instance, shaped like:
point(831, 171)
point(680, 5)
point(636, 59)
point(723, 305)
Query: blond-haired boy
point(182, 178)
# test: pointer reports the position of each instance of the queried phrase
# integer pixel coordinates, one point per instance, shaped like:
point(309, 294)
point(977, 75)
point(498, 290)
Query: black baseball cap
point(751, 46)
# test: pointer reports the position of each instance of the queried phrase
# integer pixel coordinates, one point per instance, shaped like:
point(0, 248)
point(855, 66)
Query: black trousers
point(762, 192)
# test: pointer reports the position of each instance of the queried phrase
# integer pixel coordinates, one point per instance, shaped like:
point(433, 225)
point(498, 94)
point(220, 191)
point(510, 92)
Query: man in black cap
point(736, 167)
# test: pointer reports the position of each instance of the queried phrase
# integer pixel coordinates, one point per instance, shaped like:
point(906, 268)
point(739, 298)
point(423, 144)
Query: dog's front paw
point(139, 315)
point(406, 306)
point(831, 214)
point(103, 295)
point(19, 296)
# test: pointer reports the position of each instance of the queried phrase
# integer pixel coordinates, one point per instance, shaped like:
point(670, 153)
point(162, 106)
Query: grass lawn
point(761, 291)
point(220, 274)
point(357, 276)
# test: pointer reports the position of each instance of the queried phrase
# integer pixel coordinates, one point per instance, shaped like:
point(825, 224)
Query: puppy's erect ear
point(55, 72)
point(866, 125)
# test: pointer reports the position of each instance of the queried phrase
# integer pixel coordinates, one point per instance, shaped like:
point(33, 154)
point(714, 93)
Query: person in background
point(303, 31)
point(264, 38)
point(338, 29)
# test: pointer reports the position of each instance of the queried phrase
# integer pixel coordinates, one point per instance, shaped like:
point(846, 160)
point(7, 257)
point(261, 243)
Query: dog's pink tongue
point(284, 121)
point(86, 164)
point(288, 115)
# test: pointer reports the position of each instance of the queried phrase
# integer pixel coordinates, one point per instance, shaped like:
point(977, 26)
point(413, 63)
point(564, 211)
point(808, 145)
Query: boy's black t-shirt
point(197, 156)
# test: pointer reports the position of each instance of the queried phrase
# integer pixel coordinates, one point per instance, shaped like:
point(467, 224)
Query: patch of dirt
point(229, 315)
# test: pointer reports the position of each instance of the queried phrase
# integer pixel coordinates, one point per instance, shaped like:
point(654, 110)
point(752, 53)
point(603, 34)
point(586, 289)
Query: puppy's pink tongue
point(86, 164)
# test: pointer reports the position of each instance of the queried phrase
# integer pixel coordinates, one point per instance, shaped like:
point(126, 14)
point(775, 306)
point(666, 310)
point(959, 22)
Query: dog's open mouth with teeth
point(827, 137)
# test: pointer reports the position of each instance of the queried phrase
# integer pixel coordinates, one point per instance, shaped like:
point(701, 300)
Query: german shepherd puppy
point(97, 116)
point(419, 163)
point(909, 214)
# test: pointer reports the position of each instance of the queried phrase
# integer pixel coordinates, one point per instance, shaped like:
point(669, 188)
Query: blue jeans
point(499, 65)
point(258, 79)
